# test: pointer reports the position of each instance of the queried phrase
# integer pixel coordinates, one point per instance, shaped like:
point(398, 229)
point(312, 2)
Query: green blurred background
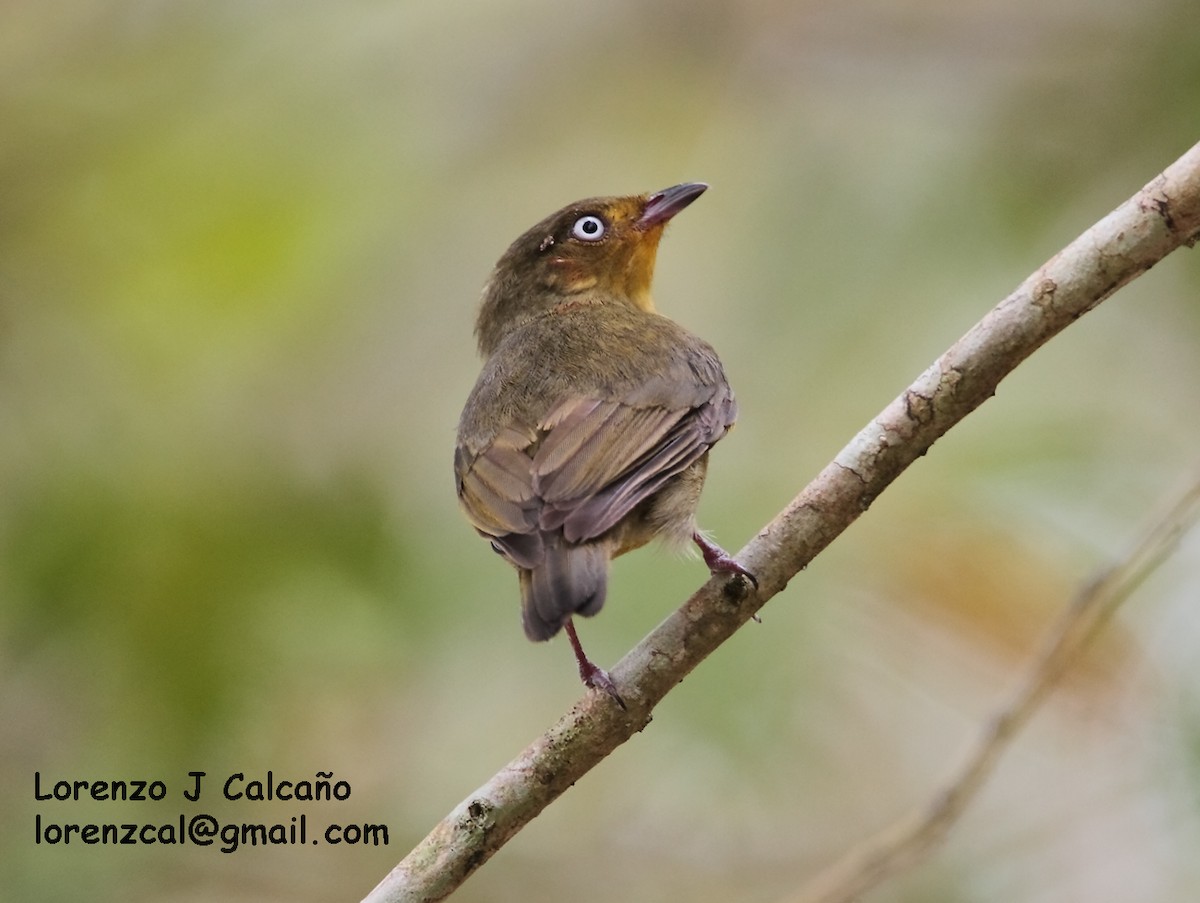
point(241, 246)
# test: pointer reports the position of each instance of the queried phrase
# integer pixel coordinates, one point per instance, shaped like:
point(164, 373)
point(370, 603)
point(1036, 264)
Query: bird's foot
point(598, 679)
point(718, 560)
point(593, 676)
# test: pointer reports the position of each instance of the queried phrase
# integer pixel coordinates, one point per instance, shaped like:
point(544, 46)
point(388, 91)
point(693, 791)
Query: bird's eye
point(588, 228)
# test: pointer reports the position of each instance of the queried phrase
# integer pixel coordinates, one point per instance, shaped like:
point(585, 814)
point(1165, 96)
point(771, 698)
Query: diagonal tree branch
point(908, 840)
point(1158, 219)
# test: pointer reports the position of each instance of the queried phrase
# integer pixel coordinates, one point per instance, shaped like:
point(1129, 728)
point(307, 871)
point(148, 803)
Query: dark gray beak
point(662, 205)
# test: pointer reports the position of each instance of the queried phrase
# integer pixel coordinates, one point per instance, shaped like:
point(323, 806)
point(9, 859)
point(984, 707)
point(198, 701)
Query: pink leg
point(591, 675)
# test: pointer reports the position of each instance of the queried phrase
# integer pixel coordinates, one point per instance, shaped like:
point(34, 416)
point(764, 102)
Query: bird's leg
point(718, 560)
point(591, 675)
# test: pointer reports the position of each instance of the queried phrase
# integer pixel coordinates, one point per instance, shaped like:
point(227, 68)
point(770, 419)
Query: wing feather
point(602, 441)
point(626, 463)
point(587, 463)
point(495, 487)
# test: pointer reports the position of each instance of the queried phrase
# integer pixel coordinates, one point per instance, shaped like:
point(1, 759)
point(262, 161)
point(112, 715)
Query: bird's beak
point(662, 205)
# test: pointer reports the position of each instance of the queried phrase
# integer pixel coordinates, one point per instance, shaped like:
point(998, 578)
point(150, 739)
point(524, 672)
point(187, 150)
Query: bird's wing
point(495, 489)
point(584, 466)
point(600, 459)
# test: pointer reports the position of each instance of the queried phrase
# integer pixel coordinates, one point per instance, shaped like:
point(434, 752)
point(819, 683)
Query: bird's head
point(602, 249)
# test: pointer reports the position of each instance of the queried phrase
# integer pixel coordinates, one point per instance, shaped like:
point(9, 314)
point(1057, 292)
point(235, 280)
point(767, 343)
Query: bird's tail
point(569, 580)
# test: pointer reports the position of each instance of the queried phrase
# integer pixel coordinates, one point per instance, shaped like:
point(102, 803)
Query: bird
point(588, 430)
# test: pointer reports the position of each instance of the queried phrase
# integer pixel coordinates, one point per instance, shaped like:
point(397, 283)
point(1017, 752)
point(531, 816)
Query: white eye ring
point(588, 228)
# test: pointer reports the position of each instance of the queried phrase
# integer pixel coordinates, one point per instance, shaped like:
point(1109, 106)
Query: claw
point(598, 679)
point(719, 561)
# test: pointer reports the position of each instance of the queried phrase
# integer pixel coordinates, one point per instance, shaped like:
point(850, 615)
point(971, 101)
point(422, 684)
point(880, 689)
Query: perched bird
point(588, 430)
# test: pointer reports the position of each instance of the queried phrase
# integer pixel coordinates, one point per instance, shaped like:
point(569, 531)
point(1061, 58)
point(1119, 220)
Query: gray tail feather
point(570, 580)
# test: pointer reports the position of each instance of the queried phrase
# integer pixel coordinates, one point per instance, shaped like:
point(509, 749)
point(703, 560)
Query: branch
point(1160, 218)
point(908, 840)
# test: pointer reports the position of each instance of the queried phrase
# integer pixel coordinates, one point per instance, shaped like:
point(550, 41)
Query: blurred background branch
point(909, 840)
